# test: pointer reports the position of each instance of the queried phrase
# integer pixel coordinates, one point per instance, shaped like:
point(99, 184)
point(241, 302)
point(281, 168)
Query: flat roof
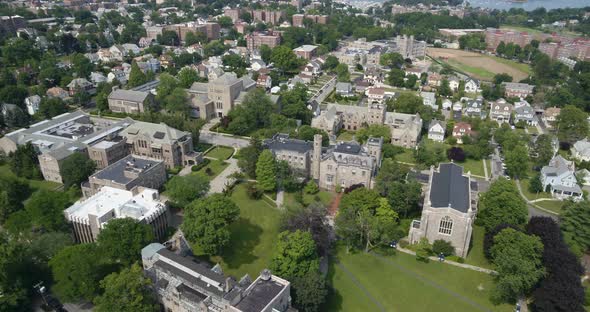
point(116, 171)
point(260, 294)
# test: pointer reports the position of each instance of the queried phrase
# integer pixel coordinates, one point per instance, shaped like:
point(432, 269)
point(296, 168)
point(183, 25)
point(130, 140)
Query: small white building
point(436, 130)
point(471, 86)
point(581, 150)
point(429, 99)
point(33, 102)
point(560, 179)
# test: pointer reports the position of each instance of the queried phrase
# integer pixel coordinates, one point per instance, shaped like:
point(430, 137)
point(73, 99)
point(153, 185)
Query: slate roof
point(116, 171)
point(449, 188)
point(129, 95)
point(283, 142)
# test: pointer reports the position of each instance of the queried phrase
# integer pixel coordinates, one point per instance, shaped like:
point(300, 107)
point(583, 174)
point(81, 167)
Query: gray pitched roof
point(128, 95)
point(450, 189)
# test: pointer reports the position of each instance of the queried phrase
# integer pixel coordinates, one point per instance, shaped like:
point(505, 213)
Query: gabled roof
point(450, 188)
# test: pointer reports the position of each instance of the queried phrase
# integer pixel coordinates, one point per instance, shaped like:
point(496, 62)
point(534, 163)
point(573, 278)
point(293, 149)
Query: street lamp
point(41, 290)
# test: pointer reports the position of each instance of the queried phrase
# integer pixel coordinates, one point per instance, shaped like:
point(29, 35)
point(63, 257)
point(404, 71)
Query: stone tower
point(374, 147)
point(317, 155)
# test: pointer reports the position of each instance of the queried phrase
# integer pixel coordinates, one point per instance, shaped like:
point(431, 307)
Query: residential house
point(344, 89)
point(454, 83)
point(550, 116)
point(405, 129)
point(474, 108)
point(130, 101)
point(581, 150)
point(457, 110)
point(81, 85)
point(264, 81)
point(119, 75)
point(449, 209)
point(559, 178)
point(257, 65)
point(524, 112)
point(517, 90)
point(376, 95)
point(447, 104)
point(374, 75)
point(429, 99)
point(501, 111)
point(33, 102)
point(57, 92)
point(434, 80)
point(460, 130)
point(471, 86)
point(436, 130)
point(97, 77)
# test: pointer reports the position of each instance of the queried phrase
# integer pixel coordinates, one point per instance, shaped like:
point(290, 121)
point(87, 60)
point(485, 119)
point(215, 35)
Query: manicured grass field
point(552, 205)
point(475, 166)
point(481, 73)
point(216, 166)
point(366, 282)
point(253, 236)
point(324, 196)
point(220, 152)
point(406, 157)
point(524, 183)
point(475, 255)
point(34, 184)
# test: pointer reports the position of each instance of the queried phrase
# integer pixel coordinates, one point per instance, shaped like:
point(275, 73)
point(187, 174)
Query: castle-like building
point(340, 165)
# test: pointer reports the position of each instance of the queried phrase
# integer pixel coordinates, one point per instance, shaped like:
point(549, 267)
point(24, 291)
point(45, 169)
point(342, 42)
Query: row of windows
point(446, 226)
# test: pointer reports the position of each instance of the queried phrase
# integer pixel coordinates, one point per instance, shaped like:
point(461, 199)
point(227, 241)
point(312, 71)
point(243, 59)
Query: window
point(446, 226)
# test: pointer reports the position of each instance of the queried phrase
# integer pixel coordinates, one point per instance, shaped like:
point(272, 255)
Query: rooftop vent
point(265, 275)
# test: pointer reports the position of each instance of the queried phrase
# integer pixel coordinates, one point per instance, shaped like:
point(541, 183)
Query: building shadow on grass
point(245, 236)
point(334, 298)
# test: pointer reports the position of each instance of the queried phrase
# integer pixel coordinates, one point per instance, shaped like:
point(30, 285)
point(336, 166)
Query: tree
point(517, 161)
point(81, 65)
point(176, 102)
point(374, 131)
point(342, 72)
point(365, 219)
point(167, 84)
point(24, 162)
point(517, 258)
point(311, 188)
point(47, 245)
point(430, 153)
point(575, 224)
point(168, 37)
point(185, 189)
point(445, 88)
point(15, 275)
point(45, 210)
point(535, 184)
point(499, 78)
point(121, 240)
point(294, 104)
point(390, 172)
point(502, 204)
point(254, 113)
point(561, 289)
point(571, 124)
point(309, 291)
point(295, 255)
point(404, 198)
point(13, 191)
point(456, 154)
point(488, 240)
point(441, 246)
point(195, 37)
point(136, 76)
point(396, 77)
point(77, 271)
point(266, 170)
point(543, 149)
point(265, 53)
point(330, 63)
point(284, 58)
point(51, 107)
point(128, 290)
point(76, 169)
point(187, 76)
point(206, 222)
point(249, 157)
point(391, 60)
point(406, 103)
point(310, 219)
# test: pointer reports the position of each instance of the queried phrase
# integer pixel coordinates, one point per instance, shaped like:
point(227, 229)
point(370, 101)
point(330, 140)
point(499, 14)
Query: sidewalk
point(461, 265)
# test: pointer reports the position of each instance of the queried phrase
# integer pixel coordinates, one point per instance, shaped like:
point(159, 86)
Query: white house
point(559, 177)
point(501, 111)
point(471, 85)
point(581, 150)
point(447, 104)
point(436, 130)
point(32, 102)
point(524, 112)
point(454, 83)
point(429, 99)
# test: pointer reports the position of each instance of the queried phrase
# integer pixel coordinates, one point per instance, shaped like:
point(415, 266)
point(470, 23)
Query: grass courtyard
point(555, 206)
point(325, 198)
point(215, 166)
point(253, 236)
point(370, 282)
point(524, 184)
point(220, 152)
point(475, 166)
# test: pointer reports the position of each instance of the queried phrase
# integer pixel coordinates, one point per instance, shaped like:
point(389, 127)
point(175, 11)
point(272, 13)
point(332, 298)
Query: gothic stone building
point(449, 209)
point(341, 165)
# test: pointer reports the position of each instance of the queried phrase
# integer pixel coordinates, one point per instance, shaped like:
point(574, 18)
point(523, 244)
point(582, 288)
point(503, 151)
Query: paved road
point(214, 138)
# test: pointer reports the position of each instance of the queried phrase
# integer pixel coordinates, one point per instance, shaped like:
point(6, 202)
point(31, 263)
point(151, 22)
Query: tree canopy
point(76, 169)
point(266, 171)
point(502, 204)
point(185, 189)
point(127, 290)
point(575, 224)
point(571, 124)
point(121, 240)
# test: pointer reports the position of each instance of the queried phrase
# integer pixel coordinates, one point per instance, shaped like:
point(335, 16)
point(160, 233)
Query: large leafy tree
point(284, 58)
point(309, 291)
point(518, 259)
point(45, 210)
point(571, 124)
point(76, 169)
point(295, 255)
point(77, 271)
point(310, 219)
point(128, 290)
point(13, 191)
point(51, 107)
point(15, 275)
point(249, 157)
point(543, 148)
point(254, 113)
point(407, 103)
point(121, 240)
point(136, 76)
point(502, 204)
point(187, 76)
point(206, 222)
point(364, 219)
point(390, 172)
point(266, 171)
point(294, 104)
point(185, 189)
point(575, 224)
point(561, 289)
point(517, 161)
point(24, 162)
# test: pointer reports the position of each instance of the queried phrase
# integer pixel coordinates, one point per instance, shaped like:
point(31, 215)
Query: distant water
point(530, 4)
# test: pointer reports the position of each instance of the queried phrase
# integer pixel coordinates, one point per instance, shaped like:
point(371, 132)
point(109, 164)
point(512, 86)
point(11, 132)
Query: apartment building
point(298, 19)
point(495, 36)
point(255, 40)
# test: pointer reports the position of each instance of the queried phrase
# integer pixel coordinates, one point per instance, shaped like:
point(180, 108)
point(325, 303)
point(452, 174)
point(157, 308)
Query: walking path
point(532, 204)
point(461, 265)
point(485, 167)
point(223, 179)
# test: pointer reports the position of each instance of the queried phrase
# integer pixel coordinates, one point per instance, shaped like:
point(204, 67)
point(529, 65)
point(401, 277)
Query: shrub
point(208, 171)
point(456, 154)
point(253, 191)
point(404, 243)
point(442, 246)
point(201, 165)
point(311, 187)
point(423, 250)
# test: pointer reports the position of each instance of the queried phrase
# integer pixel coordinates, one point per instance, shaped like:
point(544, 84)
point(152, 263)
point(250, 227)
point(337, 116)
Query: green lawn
point(475, 166)
point(220, 152)
point(407, 156)
point(34, 184)
point(216, 166)
point(475, 255)
point(520, 66)
point(324, 196)
point(201, 147)
point(533, 130)
point(552, 205)
point(524, 183)
point(400, 283)
point(345, 136)
point(477, 71)
point(253, 236)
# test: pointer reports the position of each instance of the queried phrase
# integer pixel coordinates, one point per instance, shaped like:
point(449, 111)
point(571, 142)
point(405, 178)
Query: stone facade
point(130, 101)
point(450, 207)
point(405, 129)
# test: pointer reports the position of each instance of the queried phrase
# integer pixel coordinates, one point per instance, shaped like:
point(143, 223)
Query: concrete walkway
point(461, 265)
point(535, 210)
point(223, 179)
point(485, 168)
point(280, 198)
